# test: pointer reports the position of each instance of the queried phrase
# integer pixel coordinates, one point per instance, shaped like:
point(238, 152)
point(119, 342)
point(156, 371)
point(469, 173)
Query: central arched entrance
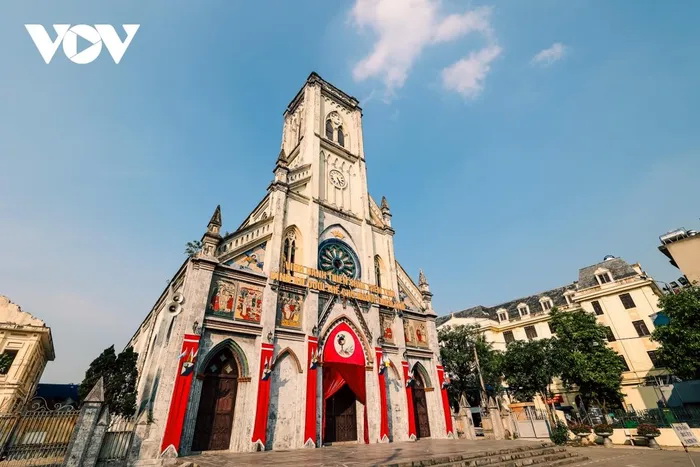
point(217, 403)
point(343, 386)
point(420, 407)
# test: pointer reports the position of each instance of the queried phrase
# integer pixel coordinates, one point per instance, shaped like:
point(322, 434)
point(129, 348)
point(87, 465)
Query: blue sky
point(515, 141)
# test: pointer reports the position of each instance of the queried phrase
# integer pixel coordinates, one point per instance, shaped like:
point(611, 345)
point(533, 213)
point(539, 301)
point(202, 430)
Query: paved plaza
point(380, 454)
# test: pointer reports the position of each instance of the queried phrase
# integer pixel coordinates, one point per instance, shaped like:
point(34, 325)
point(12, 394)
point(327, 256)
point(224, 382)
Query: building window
point(627, 301)
point(378, 271)
point(530, 332)
point(329, 130)
point(341, 136)
point(546, 304)
point(6, 360)
point(641, 328)
point(508, 336)
point(597, 308)
point(551, 328)
point(524, 310)
point(502, 315)
point(653, 356)
point(625, 366)
point(569, 299)
point(603, 278)
point(609, 334)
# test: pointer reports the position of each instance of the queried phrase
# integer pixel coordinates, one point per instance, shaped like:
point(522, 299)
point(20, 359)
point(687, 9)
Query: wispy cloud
point(467, 75)
point(403, 29)
point(550, 55)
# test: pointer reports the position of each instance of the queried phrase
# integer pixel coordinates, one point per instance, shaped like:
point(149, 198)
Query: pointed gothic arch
point(288, 352)
point(425, 376)
point(236, 350)
point(292, 245)
point(366, 348)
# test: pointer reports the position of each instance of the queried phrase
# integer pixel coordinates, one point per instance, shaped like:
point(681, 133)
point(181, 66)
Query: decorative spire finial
point(215, 221)
point(385, 204)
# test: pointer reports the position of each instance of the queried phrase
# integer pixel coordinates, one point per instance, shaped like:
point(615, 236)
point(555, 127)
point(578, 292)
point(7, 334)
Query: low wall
point(667, 438)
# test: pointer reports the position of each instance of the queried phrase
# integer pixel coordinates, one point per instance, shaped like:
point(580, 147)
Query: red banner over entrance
point(409, 401)
point(263, 405)
point(384, 419)
point(181, 393)
point(311, 378)
point(344, 363)
point(445, 402)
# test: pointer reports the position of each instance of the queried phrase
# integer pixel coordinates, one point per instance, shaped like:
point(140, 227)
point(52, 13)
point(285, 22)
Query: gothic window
point(378, 271)
point(329, 130)
point(341, 136)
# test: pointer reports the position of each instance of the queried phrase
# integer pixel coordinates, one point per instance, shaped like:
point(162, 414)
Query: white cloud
point(404, 28)
point(550, 55)
point(467, 75)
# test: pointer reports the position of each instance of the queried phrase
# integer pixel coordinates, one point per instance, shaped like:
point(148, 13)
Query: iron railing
point(662, 418)
point(117, 440)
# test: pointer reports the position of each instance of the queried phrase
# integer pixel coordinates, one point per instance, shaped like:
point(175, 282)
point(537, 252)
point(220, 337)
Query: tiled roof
point(618, 267)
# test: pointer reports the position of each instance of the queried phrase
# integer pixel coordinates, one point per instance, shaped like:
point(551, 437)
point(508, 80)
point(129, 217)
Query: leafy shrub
point(645, 429)
point(577, 428)
point(560, 433)
point(603, 428)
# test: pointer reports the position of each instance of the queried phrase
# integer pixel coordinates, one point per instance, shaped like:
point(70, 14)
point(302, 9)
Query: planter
point(651, 439)
point(583, 438)
point(607, 442)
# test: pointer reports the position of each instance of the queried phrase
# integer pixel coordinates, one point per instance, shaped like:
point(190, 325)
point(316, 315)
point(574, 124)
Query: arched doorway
point(217, 403)
point(341, 416)
point(343, 386)
point(420, 407)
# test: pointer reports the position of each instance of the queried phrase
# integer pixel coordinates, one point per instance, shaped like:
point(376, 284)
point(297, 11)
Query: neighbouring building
point(623, 298)
point(682, 247)
point(26, 345)
point(300, 327)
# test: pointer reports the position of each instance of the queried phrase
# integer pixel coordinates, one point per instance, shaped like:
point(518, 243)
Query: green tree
point(193, 247)
point(585, 359)
point(119, 373)
point(680, 338)
point(529, 367)
point(457, 354)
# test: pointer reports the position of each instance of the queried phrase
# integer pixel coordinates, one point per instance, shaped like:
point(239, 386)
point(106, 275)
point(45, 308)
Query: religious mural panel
point(222, 297)
point(387, 332)
point(416, 333)
point(289, 308)
point(251, 260)
point(249, 303)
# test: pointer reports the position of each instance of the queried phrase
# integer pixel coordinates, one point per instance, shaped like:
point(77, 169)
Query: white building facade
point(300, 328)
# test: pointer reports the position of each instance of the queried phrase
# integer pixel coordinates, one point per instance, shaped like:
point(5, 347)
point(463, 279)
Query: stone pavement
point(635, 457)
point(355, 454)
point(373, 454)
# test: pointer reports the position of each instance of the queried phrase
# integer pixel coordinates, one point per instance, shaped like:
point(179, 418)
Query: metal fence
point(36, 436)
point(117, 440)
point(662, 418)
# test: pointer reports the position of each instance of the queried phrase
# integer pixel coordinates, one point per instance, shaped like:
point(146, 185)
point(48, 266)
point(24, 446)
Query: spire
point(424, 288)
point(422, 281)
point(282, 156)
point(215, 221)
point(385, 205)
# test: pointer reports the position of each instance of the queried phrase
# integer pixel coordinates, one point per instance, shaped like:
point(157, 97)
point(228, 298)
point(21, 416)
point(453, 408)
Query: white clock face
point(344, 344)
point(337, 178)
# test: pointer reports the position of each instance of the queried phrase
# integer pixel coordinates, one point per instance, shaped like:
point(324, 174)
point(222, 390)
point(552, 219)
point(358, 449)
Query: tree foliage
point(529, 367)
point(584, 358)
point(457, 354)
point(119, 373)
point(193, 247)
point(680, 338)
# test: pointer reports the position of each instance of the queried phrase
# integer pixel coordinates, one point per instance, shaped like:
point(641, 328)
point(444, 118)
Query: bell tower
point(322, 137)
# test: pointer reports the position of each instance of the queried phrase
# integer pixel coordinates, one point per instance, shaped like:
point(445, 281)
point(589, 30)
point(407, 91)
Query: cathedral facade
point(300, 328)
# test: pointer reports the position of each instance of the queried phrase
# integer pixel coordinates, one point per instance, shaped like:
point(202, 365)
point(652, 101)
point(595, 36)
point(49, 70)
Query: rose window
point(336, 257)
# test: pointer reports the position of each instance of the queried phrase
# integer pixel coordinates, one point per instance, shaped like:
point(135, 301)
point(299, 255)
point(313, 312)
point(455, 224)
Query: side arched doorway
point(420, 407)
point(217, 403)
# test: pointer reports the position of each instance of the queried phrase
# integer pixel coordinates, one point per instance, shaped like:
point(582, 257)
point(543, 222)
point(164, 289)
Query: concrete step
point(543, 456)
point(481, 456)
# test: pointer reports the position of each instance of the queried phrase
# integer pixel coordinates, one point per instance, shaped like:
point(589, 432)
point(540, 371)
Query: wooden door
point(216, 405)
point(420, 409)
point(341, 416)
